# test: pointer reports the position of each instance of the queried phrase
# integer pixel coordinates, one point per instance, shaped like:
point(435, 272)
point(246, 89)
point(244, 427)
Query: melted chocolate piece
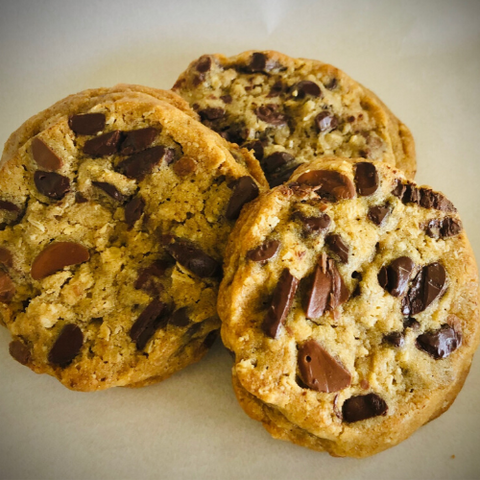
point(79, 198)
point(150, 320)
point(259, 63)
point(134, 210)
point(378, 213)
point(226, 99)
point(270, 114)
point(20, 352)
point(338, 246)
point(257, 147)
point(319, 370)
point(304, 88)
point(425, 197)
point(326, 122)
point(139, 165)
point(110, 190)
point(8, 206)
point(212, 114)
point(204, 64)
point(235, 133)
point(244, 191)
point(187, 254)
point(6, 257)
point(277, 89)
point(276, 161)
point(443, 228)
point(136, 141)
point(396, 276)
point(429, 284)
point(103, 145)
point(44, 156)
point(363, 407)
point(313, 225)
point(366, 178)
point(328, 184)
point(264, 252)
point(282, 301)
point(7, 288)
point(439, 343)
point(87, 123)
point(67, 346)
point(394, 338)
point(410, 322)
point(180, 318)
point(51, 184)
point(281, 176)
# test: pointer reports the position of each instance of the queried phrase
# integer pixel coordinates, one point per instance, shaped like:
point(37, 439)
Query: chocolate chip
point(362, 407)
point(394, 338)
point(270, 114)
point(187, 254)
point(139, 165)
point(8, 206)
point(429, 284)
point(67, 346)
point(439, 343)
point(7, 288)
point(378, 213)
point(328, 184)
point(203, 64)
point(212, 113)
point(6, 257)
point(150, 320)
point(304, 88)
point(226, 99)
point(326, 122)
point(275, 161)
point(443, 228)
point(281, 176)
point(136, 141)
point(51, 184)
point(244, 191)
point(44, 156)
point(184, 166)
point(366, 178)
point(338, 246)
point(264, 251)
point(87, 123)
point(57, 256)
point(313, 225)
point(134, 210)
point(20, 352)
point(399, 190)
point(145, 280)
point(281, 303)
point(257, 147)
point(110, 190)
point(396, 276)
point(410, 322)
point(259, 63)
point(319, 370)
point(79, 198)
point(436, 200)
point(103, 145)
point(277, 89)
point(180, 318)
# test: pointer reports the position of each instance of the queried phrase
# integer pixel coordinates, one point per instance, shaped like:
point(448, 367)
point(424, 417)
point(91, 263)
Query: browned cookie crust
point(113, 227)
point(351, 304)
point(291, 111)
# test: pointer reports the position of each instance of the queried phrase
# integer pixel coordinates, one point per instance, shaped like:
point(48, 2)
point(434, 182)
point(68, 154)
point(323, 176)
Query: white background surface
point(421, 57)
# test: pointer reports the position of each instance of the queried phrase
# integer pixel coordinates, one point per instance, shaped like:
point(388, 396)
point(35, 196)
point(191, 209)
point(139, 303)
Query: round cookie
point(351, 305)
point(113, 227)
point(291, 111)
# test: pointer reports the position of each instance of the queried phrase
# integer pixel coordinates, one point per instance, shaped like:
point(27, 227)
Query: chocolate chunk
point(51, 184)
point(20, 352)
point(338, 246)
point(399, 190)
point(212, 113)
point(280, 176)
point(281, 303)
point(6, 257)
point(139, 165)
point(264, 251)
point(257, 147)
point(319, 370)
point(67, 346)
point(235, 133)
point(245, 191)
point(326, 122)
point(259, 63)
point(270, 114)
point(136, 141)
point(204, 64)
point(410, 322)
point(187, 254)
point(362, 407)
point(103, 145)
point(328, 184)
point(304, 88)
point(134, 210)
point(8, 206)
point(443, 228)
point(57, 256)
point(7, 288)
point(87, 123)
point(366, 178)
point(378, 213)
point(79, 198)
point(277, 89)
point(394, 338)
point(110, 190)
point(180, 318)
point(44, 156)
point(312, 225)
point(436, 200)
point(275, 161)
point(226, 99)
point(429, 284)
point(150, 320)
point(396, 276)
point(185, 166)
point(439, 343)
point(145, 280)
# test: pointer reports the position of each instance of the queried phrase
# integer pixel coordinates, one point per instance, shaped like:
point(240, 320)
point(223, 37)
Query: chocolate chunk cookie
point(114, 220)
point(350, 300)
point(290, 111)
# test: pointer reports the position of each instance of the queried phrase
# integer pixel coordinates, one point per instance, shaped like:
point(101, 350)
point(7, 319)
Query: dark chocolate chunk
point(362, 407)
point(20, 352)
point(110, 190)
point(281, 304)
point(264, 251)
point(257, 147)
point(7, 288)
point(244, 191)
point(136, 141)
point(338, 246)
point(328, 184)
point(312, 225)
point(87, 123)
point(226, 99)
point(394, 338)
point(304, 88)
point(399, 190)
point(44, 156)
point(8, 206)
point(211, 113)
point(187, 254)
point(443, 228)
point(139, 165)
point(396, 276)
point(275, 161)
point(378, 213)
point(180, 318)
point(439, 343)
point(204, 64)
point(6, 257)
point(79, 198)
point(270, 114)
point(235, 133)
point(436, 200)
point(326, 122)
point(51, 184)
point(429, 284)
point(145, 279)
point(149, 321)
point(281, 176)
point(259, 63)
point(366, 178)
point(319, 370)
point(410, 322)
point(134, 210)
point(67, 346)
point(277, 89)
point(103, 145)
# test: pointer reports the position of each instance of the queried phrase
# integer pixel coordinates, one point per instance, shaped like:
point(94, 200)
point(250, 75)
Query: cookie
point(351, 306)
point(114, 222)
point(290, 111)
